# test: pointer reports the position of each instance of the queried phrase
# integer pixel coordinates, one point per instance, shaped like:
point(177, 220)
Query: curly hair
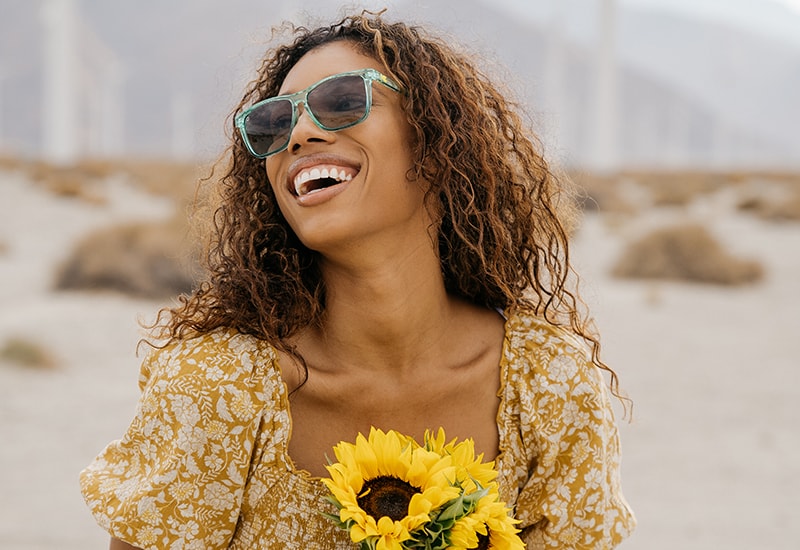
point(504, 216)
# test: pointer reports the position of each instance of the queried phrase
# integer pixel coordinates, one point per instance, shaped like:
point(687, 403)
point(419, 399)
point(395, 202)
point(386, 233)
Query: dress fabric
point(205, 464)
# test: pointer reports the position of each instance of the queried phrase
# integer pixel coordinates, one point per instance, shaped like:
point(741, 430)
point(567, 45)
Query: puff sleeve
point(176, 478)
point(572, 498)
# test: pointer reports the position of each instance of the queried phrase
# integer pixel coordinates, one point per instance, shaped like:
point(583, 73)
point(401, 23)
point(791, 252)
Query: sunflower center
point(483, 542)
point(386, 496)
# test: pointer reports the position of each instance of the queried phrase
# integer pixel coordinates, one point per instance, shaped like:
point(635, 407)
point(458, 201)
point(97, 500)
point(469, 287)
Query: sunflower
point(394, 494)
point(487, 523)
point(385, 487)
point(488, 527)
point(472, 473)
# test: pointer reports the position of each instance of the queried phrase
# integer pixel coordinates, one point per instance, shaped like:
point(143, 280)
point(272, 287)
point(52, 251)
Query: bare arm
point(117, 544)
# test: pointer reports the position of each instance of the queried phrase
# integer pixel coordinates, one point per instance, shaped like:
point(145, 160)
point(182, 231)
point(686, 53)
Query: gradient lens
point(269, 126)
point(339, 102)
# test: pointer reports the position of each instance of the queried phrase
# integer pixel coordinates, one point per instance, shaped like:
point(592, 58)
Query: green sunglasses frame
point(367, 75)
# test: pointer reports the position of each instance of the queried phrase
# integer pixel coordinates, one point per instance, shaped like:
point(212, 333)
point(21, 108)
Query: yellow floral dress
point(205, 462)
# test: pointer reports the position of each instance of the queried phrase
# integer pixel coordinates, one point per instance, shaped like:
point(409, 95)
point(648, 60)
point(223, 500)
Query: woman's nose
point(306, 131)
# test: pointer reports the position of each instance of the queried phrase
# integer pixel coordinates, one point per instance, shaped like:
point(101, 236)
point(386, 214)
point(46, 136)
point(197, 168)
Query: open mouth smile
point(318, 177)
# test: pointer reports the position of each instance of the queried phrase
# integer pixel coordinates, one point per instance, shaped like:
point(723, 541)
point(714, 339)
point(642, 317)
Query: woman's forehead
point(323, 61)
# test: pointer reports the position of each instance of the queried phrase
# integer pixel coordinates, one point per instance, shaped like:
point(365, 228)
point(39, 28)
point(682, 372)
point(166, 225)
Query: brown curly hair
point(504, 216)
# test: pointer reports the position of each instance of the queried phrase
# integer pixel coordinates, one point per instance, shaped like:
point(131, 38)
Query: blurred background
point(708, 84)
point(677, 118)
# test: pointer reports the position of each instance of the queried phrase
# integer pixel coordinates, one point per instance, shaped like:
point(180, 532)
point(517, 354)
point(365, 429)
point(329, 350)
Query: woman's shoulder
point(210, 404)
point(531, 333)
point(216, 360)
point(559, 421)
point(221, 340)
point(543, 358)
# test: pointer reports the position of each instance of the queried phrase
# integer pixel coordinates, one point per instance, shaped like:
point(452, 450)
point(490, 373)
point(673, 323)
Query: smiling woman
point(388, 255)
point(361, 131)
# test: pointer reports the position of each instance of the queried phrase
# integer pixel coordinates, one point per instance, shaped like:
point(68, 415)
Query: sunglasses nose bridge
point(300, 105)
point(303, 112)
point(306, 127)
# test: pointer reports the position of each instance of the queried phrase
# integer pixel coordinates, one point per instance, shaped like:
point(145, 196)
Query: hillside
point(692, 92)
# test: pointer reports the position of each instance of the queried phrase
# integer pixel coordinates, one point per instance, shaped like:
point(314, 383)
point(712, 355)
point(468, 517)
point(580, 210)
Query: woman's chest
point(464, 406)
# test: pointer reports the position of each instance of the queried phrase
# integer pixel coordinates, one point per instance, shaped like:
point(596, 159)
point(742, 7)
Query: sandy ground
point(711, 458)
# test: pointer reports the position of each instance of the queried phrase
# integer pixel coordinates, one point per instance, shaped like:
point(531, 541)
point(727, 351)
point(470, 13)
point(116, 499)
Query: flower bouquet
point(393, 493)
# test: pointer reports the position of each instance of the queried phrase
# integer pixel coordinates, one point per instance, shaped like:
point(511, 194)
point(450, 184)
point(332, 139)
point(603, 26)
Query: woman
point(389, 250)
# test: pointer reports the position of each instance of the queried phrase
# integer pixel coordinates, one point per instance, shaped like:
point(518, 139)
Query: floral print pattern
point(205, 462)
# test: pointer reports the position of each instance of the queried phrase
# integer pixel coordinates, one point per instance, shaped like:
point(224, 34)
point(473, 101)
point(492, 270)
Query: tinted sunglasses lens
point(339, 102)
point(268, 127)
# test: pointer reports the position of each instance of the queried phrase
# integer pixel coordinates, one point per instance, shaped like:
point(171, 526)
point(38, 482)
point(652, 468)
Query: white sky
point(793, 4)
point(719, 7)
point(777, 19)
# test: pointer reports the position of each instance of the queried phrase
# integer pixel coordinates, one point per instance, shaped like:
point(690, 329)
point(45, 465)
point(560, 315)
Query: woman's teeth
point(318, 178)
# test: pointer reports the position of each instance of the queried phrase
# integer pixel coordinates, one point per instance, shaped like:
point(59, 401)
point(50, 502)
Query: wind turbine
point(554, 69)
point(183, 130)
point(82, 111)
point(60, 89)
point(2, 76)
point(605, 112)
point(101, 90)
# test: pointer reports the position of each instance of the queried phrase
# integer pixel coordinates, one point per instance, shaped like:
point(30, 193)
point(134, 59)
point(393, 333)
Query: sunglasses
point(334, 103)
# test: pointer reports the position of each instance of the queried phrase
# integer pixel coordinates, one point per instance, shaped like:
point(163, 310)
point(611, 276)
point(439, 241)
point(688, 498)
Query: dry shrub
point(685, 253)
point(785, 209)
point(680, 188)
point(144, 259)
point(96, 168)
point(26, 353)
point(167, 178)
point(84, 179)
point(753, 204)
point(790, 179)
point(71, 185)
point(603, 193)
point(11, 163)
point(72, 181)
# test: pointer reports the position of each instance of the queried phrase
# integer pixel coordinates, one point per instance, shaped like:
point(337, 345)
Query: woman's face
point(374, 201)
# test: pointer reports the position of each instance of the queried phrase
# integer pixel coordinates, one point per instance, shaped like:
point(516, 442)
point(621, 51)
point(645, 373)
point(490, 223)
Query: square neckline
point(502, 435)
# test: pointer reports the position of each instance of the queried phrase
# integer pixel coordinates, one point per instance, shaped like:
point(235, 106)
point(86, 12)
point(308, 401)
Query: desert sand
point(711, 458)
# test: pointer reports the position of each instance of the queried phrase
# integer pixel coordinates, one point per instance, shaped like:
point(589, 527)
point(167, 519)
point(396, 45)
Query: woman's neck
point(386, 313)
